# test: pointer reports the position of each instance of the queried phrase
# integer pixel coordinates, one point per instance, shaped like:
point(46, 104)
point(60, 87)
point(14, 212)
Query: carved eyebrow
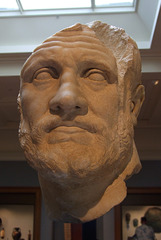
point(101, 65)
point(48, 58)
point(36, 62)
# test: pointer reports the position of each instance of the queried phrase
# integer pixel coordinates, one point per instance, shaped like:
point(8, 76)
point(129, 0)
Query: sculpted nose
point(69, 101)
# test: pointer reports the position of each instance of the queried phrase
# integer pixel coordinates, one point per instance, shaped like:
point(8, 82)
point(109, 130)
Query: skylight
point(36, 7)
point(114, 3)
point(8, 5)
point(60, 4)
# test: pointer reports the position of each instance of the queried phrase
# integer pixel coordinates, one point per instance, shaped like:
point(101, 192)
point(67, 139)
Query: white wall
point(17, 216)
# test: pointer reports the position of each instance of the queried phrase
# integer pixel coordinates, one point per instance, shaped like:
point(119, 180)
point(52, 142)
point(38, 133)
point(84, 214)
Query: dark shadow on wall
point(149, 175)
point(17, 173)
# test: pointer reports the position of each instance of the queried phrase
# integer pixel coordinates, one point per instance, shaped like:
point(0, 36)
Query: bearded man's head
point(79, 99)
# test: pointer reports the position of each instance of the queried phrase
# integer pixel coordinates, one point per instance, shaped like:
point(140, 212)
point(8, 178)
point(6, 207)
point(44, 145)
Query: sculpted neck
point(80, 204)
point(70, 202)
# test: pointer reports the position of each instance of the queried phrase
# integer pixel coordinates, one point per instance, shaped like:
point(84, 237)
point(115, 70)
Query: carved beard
point(72, 162)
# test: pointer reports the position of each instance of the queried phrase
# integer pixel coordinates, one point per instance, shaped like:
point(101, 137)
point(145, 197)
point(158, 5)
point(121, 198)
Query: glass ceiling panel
point(8, 5)
point(30, 7)
point(48, 4)
point(113, 3)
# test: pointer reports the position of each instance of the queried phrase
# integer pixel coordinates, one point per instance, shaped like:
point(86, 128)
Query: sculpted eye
point(96, 75)
point(46, 74)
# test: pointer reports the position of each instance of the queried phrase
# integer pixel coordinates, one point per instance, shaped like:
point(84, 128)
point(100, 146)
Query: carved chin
point(69, 170)
point(70, 161)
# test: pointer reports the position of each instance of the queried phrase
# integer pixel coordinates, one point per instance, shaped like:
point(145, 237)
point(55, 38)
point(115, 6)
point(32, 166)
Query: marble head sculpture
point(79, 99)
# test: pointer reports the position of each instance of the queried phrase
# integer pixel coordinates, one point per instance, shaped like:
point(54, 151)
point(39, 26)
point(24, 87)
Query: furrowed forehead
point(68, 38)
point(57, 45)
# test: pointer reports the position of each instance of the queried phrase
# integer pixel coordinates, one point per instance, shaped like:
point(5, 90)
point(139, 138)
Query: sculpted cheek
point(105, 103)
point(34, 104)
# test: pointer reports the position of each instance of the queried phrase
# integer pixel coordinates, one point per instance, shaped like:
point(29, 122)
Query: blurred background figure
point(144, 232)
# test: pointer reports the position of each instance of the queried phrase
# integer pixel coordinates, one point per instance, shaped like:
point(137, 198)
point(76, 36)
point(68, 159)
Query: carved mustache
point(53, 124)
point(47, 124)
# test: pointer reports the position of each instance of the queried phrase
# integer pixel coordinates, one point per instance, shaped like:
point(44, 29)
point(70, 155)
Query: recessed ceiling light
point(156, 82)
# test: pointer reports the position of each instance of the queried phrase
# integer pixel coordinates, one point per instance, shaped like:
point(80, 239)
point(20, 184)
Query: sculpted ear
point(136, 102)
point(19, 106)
point(19, 103)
